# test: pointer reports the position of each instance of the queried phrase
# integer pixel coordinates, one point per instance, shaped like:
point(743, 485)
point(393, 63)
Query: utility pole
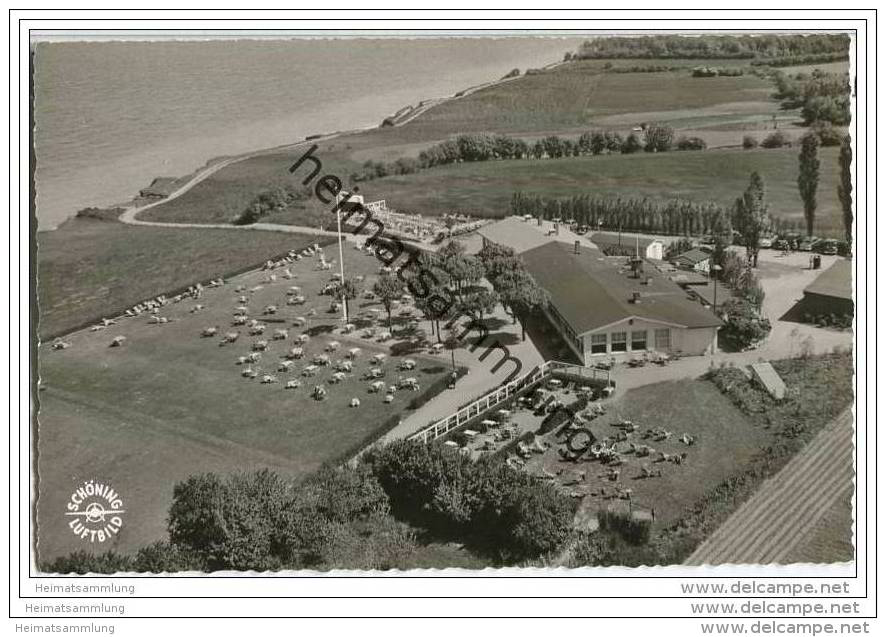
point(341, 266)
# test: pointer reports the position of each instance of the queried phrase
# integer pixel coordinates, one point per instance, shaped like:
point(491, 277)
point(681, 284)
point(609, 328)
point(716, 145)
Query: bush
point(81, 562)
point(744, 327)
point(776, 140)
point(163, 557)
point(830, 109)
point(678, 247)
point(229, 523)
point(749, 141)
point(827, 134)
point(538, 523)
point(658, 138)
point(631, 144)
point(691, 143)
point(501, 510)
point(378, 543)
point(632, 529)
point(267, 202)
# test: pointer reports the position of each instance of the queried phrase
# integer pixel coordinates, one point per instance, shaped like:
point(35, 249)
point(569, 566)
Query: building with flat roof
point(525, 234)
point(609, 306)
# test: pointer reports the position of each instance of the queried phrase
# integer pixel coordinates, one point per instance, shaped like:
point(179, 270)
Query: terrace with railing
point(502, 393)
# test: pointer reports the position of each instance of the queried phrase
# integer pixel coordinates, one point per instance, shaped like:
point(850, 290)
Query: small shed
point(695, 259)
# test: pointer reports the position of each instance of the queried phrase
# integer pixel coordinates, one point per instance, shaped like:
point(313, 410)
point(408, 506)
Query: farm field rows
point(169, 403)
point(782, 515)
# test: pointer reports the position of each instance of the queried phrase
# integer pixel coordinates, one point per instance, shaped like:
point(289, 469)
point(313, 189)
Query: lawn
point(88, 268)
point(485, 188)
point(725, 441)
point(169, 403)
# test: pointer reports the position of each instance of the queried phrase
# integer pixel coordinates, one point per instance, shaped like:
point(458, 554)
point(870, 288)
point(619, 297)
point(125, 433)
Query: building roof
point(626, 240)
point(692, 257)
point(835, 281)
point(685, 278)
point(515, 233)
point(591, 291)
point(160, 187)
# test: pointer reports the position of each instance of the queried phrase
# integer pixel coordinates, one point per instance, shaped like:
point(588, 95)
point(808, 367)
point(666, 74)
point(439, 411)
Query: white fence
point(499, 395)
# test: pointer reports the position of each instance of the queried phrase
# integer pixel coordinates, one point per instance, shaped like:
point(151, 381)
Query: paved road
point(783, 513)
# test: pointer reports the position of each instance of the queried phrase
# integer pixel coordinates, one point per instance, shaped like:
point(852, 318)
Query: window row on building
point(630, 341)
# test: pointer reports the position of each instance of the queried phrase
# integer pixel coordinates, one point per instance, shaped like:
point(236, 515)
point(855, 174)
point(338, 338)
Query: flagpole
point(341, 265)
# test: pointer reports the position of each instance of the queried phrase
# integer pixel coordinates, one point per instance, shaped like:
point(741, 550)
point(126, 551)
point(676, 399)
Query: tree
point(631, 145)
point(230, 523)
point(844, 188)
point(678, 247)
point(744, 326)
point(462, 270)
point(347, 290)
point(751, 216)
point(749, 141)
point(477, 304)
point(658, 138)
point(834, 110)
point(497, 259)
point(598, 142)
point(388, 289)
point(436, 301)
point(808, 179)
point(519, 294)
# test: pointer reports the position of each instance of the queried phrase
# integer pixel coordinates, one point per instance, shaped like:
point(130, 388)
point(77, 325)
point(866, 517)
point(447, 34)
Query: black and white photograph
point(447, 302)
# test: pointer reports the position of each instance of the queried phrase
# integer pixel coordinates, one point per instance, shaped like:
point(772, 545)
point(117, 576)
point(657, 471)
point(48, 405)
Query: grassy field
point(485, 189)
point(88, 268)
point(169, 403)
point(576, 96)
point(725, 441)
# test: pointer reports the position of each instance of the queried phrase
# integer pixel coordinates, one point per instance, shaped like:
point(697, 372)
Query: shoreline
point(400, 117)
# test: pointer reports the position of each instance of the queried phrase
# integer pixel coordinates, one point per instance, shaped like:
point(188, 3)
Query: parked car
point(765, 242)
point(807, 244)
point(781, 244)
point(827, 246)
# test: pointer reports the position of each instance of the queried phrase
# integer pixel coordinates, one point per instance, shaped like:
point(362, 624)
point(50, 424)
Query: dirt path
point(784, 511)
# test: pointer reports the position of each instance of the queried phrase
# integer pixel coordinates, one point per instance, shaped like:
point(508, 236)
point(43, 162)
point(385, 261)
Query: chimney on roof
point(577, 247)
point(635, 298)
